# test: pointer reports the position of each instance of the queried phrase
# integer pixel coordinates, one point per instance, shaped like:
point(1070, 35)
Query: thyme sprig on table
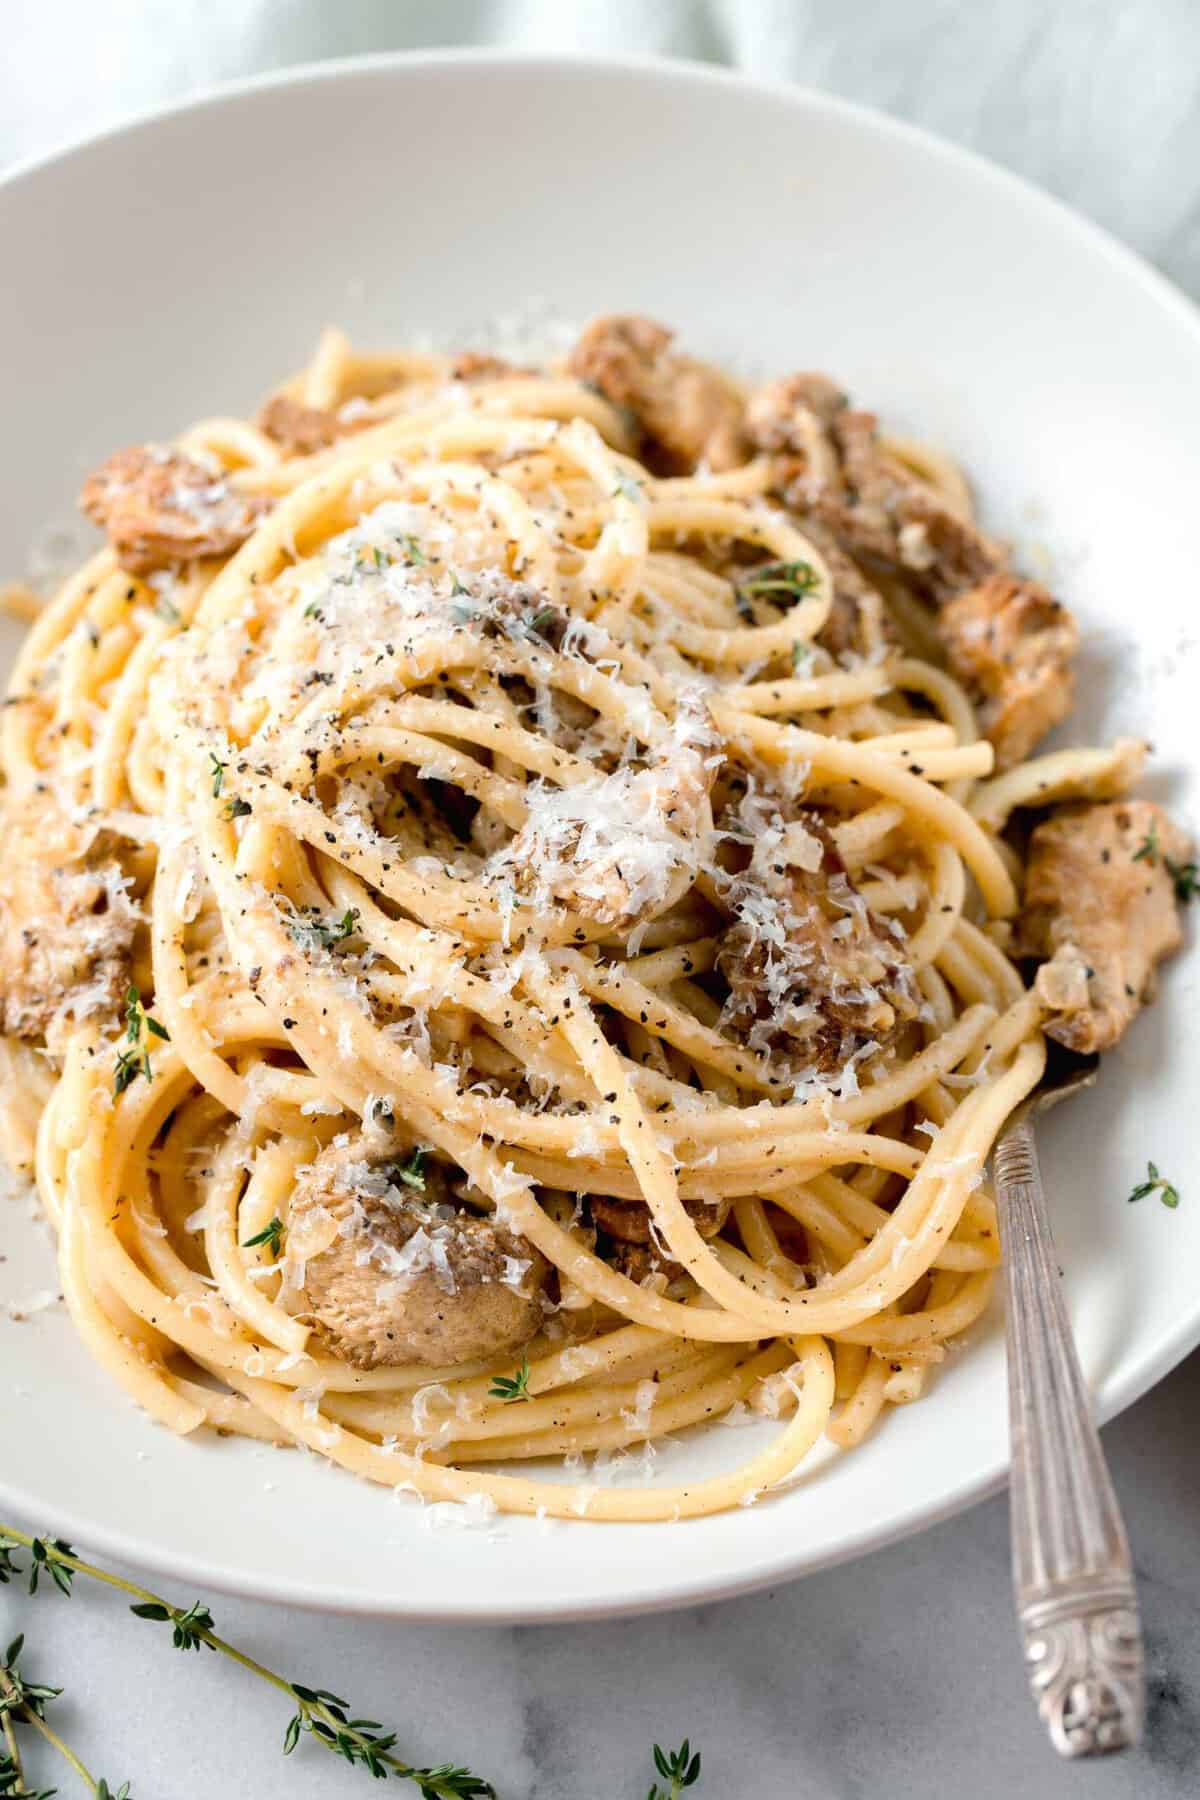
point(23, 1702)
point(319, 1714)
point(679, 1768)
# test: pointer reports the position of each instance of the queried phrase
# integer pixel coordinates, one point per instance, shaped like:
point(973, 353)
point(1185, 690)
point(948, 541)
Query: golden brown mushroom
point(160, 507)
point(398, 1273)
point(66, 920)
point(1101, 907)
point(688, 412)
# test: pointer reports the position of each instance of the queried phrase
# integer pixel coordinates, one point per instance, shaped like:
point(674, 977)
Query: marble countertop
point(898, 1675)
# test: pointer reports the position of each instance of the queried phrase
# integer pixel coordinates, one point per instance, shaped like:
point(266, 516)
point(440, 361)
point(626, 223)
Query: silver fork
point(1072, 1573)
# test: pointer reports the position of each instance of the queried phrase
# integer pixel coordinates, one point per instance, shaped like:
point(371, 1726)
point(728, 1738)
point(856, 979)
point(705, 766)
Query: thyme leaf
point(270, 1235)
point(795, 579)
point(46, 1561)
point(1156, 1184)
point(12, 1781)
point(189, 1629)
point(680, 1769)
point(512, 1387)
point(134, 1059)
point(324, 932)
point(412, 1173)
point(17, 1695)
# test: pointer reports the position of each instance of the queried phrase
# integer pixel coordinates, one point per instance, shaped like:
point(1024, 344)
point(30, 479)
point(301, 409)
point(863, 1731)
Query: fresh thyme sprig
point(12, 1780)
point(12, 1773)
point(794, 578)
point(188, 1628)
point(46, 1552)
point(534, 620)
point(512, 1387)
point(1147, 850)
point(321, 1715)
point(1185, 875)
point(218, 772)
point(18, 1695)
point(325, 933)
point(1156, 1184)
point(24, 1702)
point(134, 1058)
point(412, 1173)
point(270, 1235)
point(237, 808)
point(679, 1769)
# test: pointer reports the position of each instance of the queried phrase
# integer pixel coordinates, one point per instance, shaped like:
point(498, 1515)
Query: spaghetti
point(535, 988)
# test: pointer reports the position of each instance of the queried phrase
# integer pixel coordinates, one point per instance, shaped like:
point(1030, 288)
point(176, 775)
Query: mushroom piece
point(66, 919)
point(630, 1220)
point(813, 973)
point(688, 412)
point(301, 430)
point(1011, 643)
point(396, 1272)
point(481, 365)
point(160, 507)
point(830, 464)
point(888, 514)
point(1101, 907)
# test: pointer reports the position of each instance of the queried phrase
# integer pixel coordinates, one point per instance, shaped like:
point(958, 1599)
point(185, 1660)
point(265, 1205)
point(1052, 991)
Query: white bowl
point(183, 264)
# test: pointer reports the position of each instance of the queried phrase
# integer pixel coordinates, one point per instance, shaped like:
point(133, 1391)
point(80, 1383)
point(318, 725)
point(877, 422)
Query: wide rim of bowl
point(1131, 1382)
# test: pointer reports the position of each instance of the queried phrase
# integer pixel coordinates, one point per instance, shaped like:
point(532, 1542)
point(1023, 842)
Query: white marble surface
point(898, 1675)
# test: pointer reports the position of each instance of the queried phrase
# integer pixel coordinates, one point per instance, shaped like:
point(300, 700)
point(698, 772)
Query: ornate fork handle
point(1072, 1572)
